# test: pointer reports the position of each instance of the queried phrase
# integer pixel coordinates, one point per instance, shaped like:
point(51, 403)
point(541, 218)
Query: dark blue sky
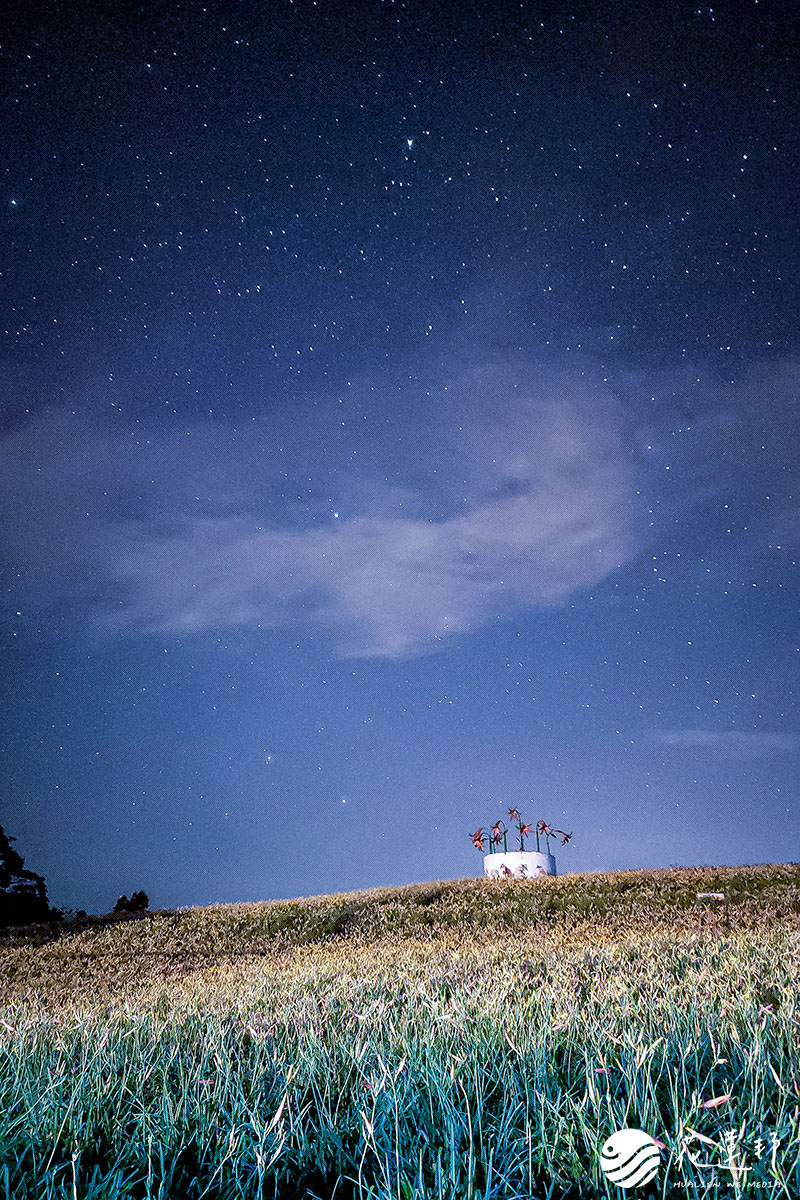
point(400, 424)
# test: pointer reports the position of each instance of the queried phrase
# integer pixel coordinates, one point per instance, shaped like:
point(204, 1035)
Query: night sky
point(400, 424)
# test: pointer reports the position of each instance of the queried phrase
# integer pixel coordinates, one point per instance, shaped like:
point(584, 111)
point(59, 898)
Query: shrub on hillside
point(139, 902)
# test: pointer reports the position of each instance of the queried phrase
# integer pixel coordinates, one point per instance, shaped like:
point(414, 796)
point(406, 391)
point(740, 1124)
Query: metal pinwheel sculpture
point(499, 832)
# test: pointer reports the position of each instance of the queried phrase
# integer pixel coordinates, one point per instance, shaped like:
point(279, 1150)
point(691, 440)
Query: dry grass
point(457, 1039)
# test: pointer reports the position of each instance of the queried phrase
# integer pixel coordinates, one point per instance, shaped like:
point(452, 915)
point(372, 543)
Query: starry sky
point(400, 424)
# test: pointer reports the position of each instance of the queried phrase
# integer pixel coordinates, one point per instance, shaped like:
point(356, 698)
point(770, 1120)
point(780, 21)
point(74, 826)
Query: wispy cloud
point(730, 741)
point(532, 502)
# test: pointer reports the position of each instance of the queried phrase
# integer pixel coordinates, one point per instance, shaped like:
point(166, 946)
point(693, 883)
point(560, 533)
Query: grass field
point(470, 1038)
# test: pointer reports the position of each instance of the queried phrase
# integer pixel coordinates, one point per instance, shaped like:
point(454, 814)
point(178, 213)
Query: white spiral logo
point(630, 1158)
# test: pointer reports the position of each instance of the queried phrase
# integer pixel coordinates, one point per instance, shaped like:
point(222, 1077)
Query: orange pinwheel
point(478, 840)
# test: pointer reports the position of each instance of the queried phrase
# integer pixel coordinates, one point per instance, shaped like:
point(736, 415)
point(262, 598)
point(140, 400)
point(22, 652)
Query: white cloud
point(532, 502)
point(730, 741)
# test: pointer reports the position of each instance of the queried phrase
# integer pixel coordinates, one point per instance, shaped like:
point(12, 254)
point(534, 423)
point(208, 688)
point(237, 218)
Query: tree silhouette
point(23, 893)
point(138, 903)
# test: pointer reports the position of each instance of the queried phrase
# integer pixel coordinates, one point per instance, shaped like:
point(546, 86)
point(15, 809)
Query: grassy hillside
point(458, 1039)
